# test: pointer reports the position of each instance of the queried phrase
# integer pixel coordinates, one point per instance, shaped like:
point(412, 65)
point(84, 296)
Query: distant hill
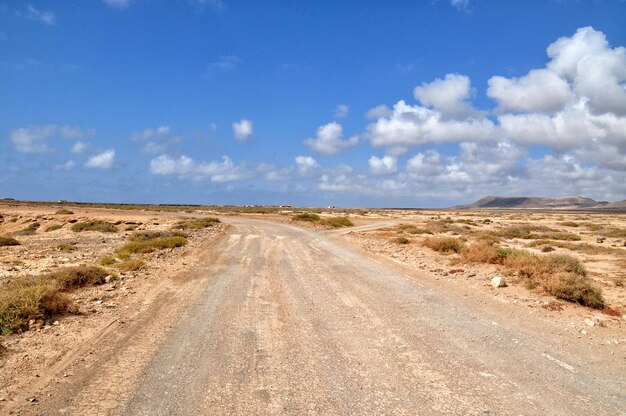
point(534, 202)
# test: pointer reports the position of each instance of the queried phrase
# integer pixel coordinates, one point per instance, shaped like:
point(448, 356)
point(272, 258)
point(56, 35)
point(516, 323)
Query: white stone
point(498, 281)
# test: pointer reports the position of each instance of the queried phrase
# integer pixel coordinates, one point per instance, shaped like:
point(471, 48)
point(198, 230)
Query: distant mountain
point(534, 202)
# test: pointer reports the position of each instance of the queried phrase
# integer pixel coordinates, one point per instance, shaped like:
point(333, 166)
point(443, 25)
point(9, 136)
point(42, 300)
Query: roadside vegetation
point(306, 216)
point(337, 222)
point(41, 297)
point(196, 223)
point(149, 241)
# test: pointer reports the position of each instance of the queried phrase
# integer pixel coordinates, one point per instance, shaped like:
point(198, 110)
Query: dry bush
point(132, 265)
point(443, 244)
point(152, 244)
point(306, 216)
point(95, 225)
point(569, 224)
point(31, 298)
point(66, 247)
point(53, 227)
point(444, 226)
point(401, 240)
point(64, 211)
point(411, 229)
point(573, 288)
point(481, 252)
point(337, 222)
point(547, 249)
point(8, 241)
point(581, 247)
point(614, 233)
point(79, 276)
point(151, 235)
point(30, 230)
point(107, 261)
point(196, 223)
point(533, 232)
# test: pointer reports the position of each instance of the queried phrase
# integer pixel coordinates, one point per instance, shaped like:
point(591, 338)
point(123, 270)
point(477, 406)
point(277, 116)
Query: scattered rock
point(600, 240)
point(107, 279)
point(472, 274)
point(498, 281)
point(589, 322)
point(32, 399)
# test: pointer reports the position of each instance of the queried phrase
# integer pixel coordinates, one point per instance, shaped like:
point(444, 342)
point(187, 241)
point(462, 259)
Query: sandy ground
point(258, 317)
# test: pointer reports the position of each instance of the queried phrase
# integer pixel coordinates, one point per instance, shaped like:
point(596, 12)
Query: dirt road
point(290, 321)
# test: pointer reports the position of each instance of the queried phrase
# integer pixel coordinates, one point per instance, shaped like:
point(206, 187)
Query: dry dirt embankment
point(284, 320)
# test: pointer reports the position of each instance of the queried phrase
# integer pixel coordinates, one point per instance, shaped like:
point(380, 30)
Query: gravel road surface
point(288, 321)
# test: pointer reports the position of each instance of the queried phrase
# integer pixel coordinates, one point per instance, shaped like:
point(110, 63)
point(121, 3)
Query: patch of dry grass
point(401, 240)
point(580, 247)
point(8, 241)
point(64, 211)
point(196, 223)
point(337, 222)
point(53, 227)
point(443, 244)
point(132, 265)
point(95, 225)
point(149, 241)
point(306, 216)
point(31, 229)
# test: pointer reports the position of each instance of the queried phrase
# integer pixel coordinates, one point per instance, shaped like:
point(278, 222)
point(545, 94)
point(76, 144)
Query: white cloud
point(383, 166)
point(119, 4)
point(341, 111)
point(150, 133)
point(541, 90)
point(79, 147)
point(185, 167)
point(153, 147)
point(329, 140)
point(242, 130)
point(67, 166)
point(32, 139)
point(45, 17)
point(378, 112)
point(409, 126)
point(104, 160)
point(307, 166)
point(460, 4)
point(448, 96)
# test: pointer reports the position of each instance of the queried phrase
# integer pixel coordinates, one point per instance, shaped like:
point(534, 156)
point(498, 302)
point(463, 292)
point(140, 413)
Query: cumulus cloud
point(341, 111)
point(119, 4)
point(104, 160)
point(185, 167)
point(307, 166)
point(383, 166)
point(448, 96)
point(329, 139)
point(378, 112)
point(410, 126)
point(242, 130)
point(34, 139)
point(539, 91)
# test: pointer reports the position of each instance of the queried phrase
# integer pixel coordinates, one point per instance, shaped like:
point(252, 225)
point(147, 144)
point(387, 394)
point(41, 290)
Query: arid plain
point(225, 310)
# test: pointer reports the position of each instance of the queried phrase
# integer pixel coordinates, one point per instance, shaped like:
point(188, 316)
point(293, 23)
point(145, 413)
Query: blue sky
point(375, 103)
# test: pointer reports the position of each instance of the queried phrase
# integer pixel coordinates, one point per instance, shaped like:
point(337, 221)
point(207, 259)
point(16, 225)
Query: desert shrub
point(443, 244)
point(64, 211)
point(73, 277)
point(563, 262)
point(481, 252)
point(569, 224)
point(66, 247)
point(574, 288)
point(412, 229)
point(30, 298)
point(132, 265)
point(337, 222)
point(614, 233)
point(94, 225)
point(306, 216)
point(31, 229)
point(401, 240)
point(107, 260)
point(53, 227)
point(152, 244)
point(195, 224)
point(444, 226)
point(151, 235)
point(547, 249)
point(8, 241)
point(582, 247)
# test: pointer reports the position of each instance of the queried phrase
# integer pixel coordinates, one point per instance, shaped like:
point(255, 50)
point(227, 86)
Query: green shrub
point(107, 260)
point(95, 225)
point(152, 244)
